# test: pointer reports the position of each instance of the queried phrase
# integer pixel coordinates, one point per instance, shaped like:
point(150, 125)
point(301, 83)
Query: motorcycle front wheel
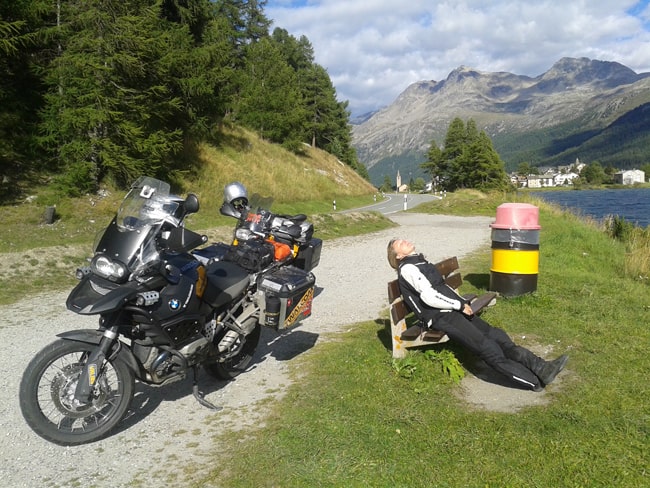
point(234, 366)
point(47, 395)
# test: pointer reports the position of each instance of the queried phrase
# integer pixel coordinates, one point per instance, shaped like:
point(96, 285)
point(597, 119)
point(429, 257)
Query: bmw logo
point(174, 304)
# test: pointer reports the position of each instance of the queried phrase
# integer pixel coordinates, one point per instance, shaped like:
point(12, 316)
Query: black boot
point(551, 369)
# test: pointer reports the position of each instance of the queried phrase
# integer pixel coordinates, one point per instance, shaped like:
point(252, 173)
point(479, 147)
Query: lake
point(631, 204)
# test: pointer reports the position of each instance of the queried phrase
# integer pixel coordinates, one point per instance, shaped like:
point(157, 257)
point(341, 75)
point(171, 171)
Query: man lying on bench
point(438, 306)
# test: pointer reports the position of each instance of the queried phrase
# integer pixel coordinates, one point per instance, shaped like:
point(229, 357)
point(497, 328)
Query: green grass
point(351, 419)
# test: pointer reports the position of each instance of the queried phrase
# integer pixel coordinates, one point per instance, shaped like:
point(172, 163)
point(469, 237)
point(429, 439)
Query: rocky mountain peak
point(589, 93)
point(571, 72)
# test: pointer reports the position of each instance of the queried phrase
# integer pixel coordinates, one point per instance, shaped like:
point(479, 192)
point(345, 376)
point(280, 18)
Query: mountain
point(576, 109)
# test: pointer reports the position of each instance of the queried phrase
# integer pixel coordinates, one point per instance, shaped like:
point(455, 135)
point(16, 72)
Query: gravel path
point(167, 432)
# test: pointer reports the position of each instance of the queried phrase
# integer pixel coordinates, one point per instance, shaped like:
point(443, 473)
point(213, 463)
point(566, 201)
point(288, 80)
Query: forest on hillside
point(97, 90)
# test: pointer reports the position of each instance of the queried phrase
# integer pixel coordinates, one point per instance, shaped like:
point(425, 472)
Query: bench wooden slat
point(447, 266)
point(485, 300)
point(398, 311)
point(411, 333)
point(454, 280)
point(434, 335)
point(393, 290)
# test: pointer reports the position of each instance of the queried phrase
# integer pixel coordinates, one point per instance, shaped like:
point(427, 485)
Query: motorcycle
point(167, 306)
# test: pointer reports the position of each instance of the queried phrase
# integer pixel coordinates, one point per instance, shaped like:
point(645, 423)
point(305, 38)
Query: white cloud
point(374, 49)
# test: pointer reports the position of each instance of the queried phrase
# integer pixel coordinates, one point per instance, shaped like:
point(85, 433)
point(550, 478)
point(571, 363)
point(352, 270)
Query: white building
point(629, 177)
point(564, 178)
point(540, 181)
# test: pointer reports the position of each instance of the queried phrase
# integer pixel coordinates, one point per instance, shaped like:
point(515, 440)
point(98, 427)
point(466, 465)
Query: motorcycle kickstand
point(199, 395)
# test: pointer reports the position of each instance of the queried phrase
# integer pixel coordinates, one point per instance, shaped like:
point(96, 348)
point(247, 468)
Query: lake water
point(631, 204)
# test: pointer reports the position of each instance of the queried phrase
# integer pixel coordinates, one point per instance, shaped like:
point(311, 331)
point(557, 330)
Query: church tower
point(398, 181)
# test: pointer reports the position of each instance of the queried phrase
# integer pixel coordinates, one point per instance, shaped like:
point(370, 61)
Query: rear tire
point(47, 389)
point(236, 365)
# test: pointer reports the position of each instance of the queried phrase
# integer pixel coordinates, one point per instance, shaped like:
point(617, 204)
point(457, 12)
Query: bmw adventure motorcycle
point(167, 308)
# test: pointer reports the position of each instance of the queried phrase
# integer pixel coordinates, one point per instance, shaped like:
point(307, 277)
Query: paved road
point(396, 202)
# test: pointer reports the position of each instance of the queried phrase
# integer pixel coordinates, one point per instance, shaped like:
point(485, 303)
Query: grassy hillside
point(304, 183)
point(314, 176)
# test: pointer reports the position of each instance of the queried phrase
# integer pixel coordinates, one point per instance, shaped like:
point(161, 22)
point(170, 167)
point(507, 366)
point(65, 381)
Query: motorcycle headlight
point(107, 268)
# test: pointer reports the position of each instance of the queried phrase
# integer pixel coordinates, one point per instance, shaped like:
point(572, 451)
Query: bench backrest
point(449, 270)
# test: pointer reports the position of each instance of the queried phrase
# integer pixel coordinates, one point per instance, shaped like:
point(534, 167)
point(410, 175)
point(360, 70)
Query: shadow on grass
point(479, 281)
point(472, 364)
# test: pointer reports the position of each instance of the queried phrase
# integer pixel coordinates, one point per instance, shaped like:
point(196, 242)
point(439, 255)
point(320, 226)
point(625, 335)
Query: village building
point(629, 177)
point(540, 181)
point(562, 179)
point(401, 188)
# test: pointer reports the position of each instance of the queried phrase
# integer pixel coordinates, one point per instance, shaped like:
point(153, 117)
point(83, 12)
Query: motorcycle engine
point(163, 365)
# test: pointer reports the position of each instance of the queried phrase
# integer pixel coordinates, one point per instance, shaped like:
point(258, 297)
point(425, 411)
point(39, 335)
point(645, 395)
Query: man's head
point(397, 250)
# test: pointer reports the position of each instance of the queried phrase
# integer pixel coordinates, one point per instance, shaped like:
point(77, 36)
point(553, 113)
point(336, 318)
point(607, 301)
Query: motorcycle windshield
point(131, 236)
point(259, 216)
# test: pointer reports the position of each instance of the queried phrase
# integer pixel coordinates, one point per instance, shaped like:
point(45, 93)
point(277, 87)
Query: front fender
point(92, 336)
point(85, 298)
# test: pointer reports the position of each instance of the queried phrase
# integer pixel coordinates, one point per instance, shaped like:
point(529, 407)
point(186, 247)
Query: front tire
point(234, 366)
point(47, 390)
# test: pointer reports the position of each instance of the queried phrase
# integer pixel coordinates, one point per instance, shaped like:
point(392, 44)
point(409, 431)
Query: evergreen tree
point(126, 91)
point(468, 160)
point(21, 91)
point(269, 98)
point(126, 87)
point(387, 185)
point(326, 120)
point(434, 165)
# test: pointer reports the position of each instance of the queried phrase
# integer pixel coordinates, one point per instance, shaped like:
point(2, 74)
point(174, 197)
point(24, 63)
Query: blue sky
point(374, 49)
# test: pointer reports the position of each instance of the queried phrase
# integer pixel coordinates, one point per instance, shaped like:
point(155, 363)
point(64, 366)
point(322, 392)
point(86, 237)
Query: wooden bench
point(404, 336)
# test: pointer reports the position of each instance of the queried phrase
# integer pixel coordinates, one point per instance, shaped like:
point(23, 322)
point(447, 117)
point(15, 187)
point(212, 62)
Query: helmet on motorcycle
point(236, 195)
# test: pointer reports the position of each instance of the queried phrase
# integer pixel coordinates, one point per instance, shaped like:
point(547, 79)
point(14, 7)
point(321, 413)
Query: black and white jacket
point(425, 291)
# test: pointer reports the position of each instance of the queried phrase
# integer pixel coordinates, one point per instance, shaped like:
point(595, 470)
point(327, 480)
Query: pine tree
point(434, 164)
point(126, 91)
point(21, 91)
point(269, 98)
point(326, 122)
point(468, 160)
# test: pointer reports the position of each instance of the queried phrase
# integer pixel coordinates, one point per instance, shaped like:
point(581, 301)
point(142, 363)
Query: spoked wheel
point(47, 395)
point(237, 364)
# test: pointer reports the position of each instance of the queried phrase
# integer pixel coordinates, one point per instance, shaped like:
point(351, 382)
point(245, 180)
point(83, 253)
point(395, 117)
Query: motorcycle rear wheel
point(237, 364)
point(47, 389)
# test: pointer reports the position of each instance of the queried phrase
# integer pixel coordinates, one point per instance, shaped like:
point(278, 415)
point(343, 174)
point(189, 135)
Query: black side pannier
point(309, 255)
point(253, 255)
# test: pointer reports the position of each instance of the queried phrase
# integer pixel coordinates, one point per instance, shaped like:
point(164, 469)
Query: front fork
point(94, 364)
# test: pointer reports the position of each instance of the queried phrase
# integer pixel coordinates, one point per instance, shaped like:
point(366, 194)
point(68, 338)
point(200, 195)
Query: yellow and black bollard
point(515, 249)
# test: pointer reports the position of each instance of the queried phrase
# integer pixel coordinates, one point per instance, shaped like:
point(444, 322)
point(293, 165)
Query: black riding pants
point(492, 345)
